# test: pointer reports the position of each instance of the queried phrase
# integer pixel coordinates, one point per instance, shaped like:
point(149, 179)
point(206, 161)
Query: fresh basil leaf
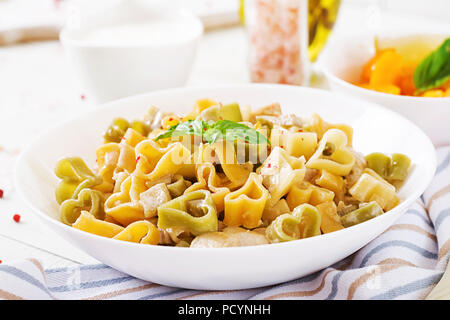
point(233, 131)
point(434, 70)
point(191, 127)
point(212, 131)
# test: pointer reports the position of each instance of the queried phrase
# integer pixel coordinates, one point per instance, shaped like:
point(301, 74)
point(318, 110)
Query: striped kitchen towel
point(407, 261)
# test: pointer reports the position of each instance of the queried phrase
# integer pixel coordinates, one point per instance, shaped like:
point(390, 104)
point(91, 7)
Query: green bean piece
point(389, 168)
point(364, 213)
point(140, 127)
point(175, 213)
point(116, 130)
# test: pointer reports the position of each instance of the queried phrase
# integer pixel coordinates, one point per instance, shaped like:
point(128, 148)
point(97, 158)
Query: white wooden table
point(37, 90)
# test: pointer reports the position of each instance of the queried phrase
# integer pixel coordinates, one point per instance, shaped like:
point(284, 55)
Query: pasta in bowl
point(221, 172)
point(235, 187)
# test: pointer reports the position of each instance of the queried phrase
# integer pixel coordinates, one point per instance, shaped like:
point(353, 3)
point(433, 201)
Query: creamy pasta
point(224, 176)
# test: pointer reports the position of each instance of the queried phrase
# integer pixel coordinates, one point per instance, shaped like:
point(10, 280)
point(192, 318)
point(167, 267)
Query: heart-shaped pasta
point(318, 125)
point(90, 200)
point(87, 222)
point(193, 212)
point(391, 168)
point(75, 176)
point(364, 213)
point(155, 162)
point(124, 206)
point(332, 154)
point(237, 173)
point(178, 186)
point(304, 222)
point(107, 157)
point(305, 192)
point(207, 178)
point(371, 187)
point(296, 144)
point(245, 206)
point(140, 232)
point(280, 172)
point(132, 137)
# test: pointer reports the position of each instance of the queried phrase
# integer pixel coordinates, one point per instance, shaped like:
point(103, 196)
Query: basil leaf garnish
point(434, 70)
point(212, 131)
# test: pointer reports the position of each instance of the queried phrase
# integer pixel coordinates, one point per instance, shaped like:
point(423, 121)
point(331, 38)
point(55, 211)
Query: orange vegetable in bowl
point(386, 72)
point(386, 68)
point(404, 71)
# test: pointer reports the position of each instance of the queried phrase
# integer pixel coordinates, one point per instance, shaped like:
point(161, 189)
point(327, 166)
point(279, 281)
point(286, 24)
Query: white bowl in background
point(342, 65)
point(375, 129)
point(112, 60)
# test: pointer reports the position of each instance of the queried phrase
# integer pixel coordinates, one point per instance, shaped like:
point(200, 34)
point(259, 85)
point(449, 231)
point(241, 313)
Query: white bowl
point(375, 129)
point(342, 65)
point(109, 69)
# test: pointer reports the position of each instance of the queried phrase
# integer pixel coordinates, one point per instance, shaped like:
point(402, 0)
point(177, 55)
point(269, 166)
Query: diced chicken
point(153, 198)
point(166, 179)
point(343, 208)
point(273, 109)
point(230, 237)
point(311, 175)
point(289, 120)
point(153, 118)
point(357, 170)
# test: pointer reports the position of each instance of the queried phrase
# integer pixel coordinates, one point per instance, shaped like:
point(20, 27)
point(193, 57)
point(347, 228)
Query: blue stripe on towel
point(92, 284)
point(408, 288)
point(398, 243)
point(25, 277)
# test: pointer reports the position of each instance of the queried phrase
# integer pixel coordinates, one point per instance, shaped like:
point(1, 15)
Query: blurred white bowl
point(113, 60)
point(342, 65)
point(375, 129)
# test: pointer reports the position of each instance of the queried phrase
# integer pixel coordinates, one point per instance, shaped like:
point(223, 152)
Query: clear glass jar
point(278, 35)
point(285, 36)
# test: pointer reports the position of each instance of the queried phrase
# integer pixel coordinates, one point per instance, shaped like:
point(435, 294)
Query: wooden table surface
point(37, 90)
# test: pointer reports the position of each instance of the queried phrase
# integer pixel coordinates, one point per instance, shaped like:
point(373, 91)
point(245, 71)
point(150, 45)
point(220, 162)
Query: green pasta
point(364, 213)
point(389, 168)
point(304, 222)
point(175, 214)
point(89, 200)
point(116, 130)
point(75, 176)
point(178, 187)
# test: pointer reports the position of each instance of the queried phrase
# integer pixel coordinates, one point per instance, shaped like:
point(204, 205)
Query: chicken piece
point(230, 237)
point(357, 170)
point(153, 118)
point(343, 209)
point(273, 109)
point(153, 198)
